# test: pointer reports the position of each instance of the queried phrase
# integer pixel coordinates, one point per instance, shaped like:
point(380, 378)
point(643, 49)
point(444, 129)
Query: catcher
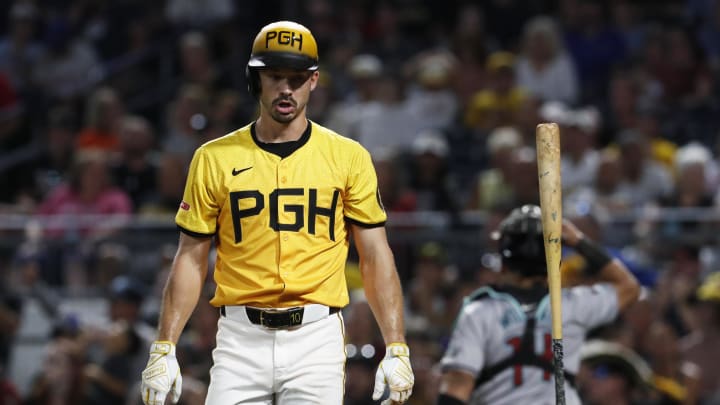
point(500, 349)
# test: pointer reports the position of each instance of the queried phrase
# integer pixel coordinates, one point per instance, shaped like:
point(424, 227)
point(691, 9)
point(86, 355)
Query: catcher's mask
point(282, 44)
point(520, 241)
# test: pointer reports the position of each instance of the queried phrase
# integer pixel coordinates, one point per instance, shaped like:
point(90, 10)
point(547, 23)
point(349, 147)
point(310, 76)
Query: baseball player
point(500, 349)
point(281, 197)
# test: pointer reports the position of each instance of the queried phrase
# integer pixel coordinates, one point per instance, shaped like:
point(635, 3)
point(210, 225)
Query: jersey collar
point(282, 149)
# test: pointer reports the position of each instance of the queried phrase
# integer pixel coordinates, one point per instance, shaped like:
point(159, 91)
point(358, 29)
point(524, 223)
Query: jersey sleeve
point(593, 305)
point(198, 211)
point(363, 205)
point(465, 349)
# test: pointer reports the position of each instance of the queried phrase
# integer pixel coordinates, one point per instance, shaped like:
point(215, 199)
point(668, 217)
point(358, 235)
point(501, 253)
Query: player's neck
point(270, 131)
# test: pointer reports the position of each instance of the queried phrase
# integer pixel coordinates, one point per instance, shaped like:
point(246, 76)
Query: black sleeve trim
point(195, 234)
point(363, 224)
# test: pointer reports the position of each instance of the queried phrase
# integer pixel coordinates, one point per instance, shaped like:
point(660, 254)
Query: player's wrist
point(397, 349)
point(596, 257)
point(165, 347)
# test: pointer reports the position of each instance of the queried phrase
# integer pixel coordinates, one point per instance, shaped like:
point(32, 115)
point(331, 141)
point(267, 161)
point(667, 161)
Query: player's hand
point(161, 375)
point(395, 373)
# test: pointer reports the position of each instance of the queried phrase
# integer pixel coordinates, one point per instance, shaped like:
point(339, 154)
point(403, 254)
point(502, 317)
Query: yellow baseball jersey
point(280, 223)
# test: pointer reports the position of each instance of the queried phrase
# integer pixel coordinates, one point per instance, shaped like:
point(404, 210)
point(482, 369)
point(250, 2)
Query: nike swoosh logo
point(235, 172)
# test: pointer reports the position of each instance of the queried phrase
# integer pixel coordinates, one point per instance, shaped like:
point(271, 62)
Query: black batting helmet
point(282, 44)
point(520, 240)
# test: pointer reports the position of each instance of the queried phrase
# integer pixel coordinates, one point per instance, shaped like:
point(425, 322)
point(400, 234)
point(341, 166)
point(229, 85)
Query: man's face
point(285, 92)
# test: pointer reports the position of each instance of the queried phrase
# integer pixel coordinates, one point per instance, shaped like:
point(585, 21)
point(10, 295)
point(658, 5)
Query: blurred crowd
point(102, 104)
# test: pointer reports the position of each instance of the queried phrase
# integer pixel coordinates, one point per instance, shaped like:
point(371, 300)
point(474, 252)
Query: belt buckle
point(264, 323)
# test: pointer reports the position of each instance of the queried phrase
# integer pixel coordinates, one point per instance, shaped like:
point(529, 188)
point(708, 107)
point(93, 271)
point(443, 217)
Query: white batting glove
point(395, 373)
point(161, 374)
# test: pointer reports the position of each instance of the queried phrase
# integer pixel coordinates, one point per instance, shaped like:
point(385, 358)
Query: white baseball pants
point(260, 366)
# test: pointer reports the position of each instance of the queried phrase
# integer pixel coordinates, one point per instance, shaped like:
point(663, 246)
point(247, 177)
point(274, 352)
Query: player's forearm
point(182, 291)
point(384, 295)
point(180, 297)
point(627, 286)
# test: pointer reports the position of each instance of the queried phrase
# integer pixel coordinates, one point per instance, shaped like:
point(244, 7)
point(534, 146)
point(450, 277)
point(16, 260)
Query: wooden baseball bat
point(547, 139)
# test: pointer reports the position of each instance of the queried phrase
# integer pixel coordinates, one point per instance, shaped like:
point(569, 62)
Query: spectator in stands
point(363, 101)
point(225, 115)
point(676, 381)
point(107, 381)
point(523, 182)
point(643, 179)
point(70, 68)
point(136, 170)
point(492, 187)
point(604, 194)
point(626, 19)
point(87, 190)
point(430, 99)
point(20, 51)
point(197, 64)
point(103, 116)
point(527, 117)
point(169, 187)
point(692, 168)
point(544, 68)
point(470, 43)
point(395, 194)
point(59, 380)
point(31, 172)
point(580, 157)
point(682, 68)
point(427, 288)
point(594, 45)
point(497, 104)
point(430, 179)
point(700, 347)
point(126, 295)
point(647, 122)
point(611, 374)
point(626, 96)
point(186, 119)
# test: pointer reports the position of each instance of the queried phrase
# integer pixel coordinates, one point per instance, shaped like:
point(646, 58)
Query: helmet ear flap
point(253, 81)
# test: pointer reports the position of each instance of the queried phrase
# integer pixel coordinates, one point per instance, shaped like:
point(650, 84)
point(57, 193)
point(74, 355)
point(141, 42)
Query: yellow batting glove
point(395, 373)
point(161, 375)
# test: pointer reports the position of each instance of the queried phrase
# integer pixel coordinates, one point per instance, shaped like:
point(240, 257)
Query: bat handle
point(557, 349)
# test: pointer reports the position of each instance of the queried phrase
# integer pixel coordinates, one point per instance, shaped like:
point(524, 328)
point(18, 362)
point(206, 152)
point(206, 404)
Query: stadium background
point(102, 103)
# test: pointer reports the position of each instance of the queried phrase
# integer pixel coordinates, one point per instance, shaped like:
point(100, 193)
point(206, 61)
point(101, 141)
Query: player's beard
point(281, 117)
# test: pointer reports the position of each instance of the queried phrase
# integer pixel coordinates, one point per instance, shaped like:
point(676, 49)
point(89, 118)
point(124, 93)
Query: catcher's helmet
point(282, 44)
point(520, 239)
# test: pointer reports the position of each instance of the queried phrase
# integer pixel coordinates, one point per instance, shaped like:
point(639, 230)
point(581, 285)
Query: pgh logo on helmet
point(282, 44)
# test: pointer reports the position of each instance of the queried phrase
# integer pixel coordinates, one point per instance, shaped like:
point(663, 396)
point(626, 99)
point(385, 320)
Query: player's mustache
point(285, 99)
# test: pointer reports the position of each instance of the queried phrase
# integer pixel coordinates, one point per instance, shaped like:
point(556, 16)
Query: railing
point(463, 234)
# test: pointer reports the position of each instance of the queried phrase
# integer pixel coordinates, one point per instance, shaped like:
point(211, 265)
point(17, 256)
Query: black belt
point(274, 319)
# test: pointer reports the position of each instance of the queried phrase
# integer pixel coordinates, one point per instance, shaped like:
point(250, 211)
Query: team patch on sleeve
point(184, 206)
